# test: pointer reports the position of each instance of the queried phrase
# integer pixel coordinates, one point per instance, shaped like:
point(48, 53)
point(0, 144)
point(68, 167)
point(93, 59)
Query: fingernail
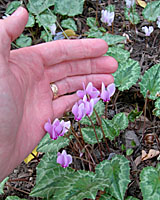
point(18, 11)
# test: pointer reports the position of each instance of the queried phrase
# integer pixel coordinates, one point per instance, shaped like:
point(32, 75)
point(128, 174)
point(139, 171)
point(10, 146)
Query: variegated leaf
point(89, 135)
point(113, 39)
point(152, 11)
point(156, 111)
point(127, 74)
point(151, 82)
point(150, 183)
point(121, 121)
point(49, 145)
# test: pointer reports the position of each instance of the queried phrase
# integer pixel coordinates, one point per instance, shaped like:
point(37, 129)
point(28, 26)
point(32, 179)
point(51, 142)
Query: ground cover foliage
point(128, 168)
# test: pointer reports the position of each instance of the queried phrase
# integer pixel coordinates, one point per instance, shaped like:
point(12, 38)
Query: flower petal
point(111, 89)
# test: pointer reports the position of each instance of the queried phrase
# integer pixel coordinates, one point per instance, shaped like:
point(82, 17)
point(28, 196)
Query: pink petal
point(111, 89)
point(48, 127)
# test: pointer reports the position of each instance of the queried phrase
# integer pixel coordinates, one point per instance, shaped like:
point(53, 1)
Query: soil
point(147, 53)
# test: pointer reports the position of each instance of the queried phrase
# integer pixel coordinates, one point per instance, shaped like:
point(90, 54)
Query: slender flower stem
point(115, 99)
point(145, 106)
point(81, 132)
point(96, 137)
point(106, 108)
point(72, 146)
point(100, 123)
point(84, 160)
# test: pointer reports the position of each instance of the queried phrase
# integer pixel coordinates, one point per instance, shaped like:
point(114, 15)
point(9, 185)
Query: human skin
point(26, 100)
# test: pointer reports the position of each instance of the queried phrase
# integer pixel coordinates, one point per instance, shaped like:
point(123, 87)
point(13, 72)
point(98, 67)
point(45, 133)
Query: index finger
point(65, 50)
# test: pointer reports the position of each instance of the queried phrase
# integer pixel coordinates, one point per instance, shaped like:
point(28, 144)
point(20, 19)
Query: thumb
point(11, 27)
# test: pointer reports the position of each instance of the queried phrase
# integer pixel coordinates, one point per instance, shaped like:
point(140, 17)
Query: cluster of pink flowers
point(89, 97)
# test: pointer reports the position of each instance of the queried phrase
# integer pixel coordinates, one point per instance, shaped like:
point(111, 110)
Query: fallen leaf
point(142, 3)
point(144, 154)
point(69, 33)
point(138, 160)
point(30, 156)
point(151, 154)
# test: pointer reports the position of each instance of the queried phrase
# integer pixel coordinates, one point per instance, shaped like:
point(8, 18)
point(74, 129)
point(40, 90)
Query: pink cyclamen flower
point(89, 105)
point(64, 159)
point(57, 128)
point(107, 93)
point(158, 22)
point(147, 30)
point(53, 29)
point(130, 3)
point(90, 91)
point(107, 17)
point(78, 110)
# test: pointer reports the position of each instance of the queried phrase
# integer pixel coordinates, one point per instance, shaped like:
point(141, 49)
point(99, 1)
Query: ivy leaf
point(2, 184)
point(91, 22)
point(69, 24)
point(117, 170)
point(49, 145)
point(150, 182)
point(67, 7)
point(94, 32)
point(156, 111)
point(37, 7)
point(89, 135)
point(24, 41)
point(31, 21)
point(113, 39)
point(121, 121)
point(127, 74)
point(133, 16)
point(151, 81)
point(152, 11)
point(99, 107)
point(118, 53)
point(12, 7)
point(112, 127)
point(46, 19)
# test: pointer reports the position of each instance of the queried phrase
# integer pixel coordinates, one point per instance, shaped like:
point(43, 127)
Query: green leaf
point(69, 24)
point(132, 16)
point(152, 11)
point(118, 53)
point(91, 22)
point(14, 198)
point(24, 41)
point(121, 121)
point(49, 145)
point(31, 21)
point(127, 74)
point(46, 19)
point(45, 36)
point(151, 81)
point(112, 127)
point(117, 170)
point(113, 39)
point(67, 7)
point(2, 184)
point(131, 198)
point(37, 7)
point(89, 135)
point(110, 8)
point(134, 114)
point(99, 107)
point(12, 7)
point(94, 32)
point(150, 182)
point(156, 111)
point(107, 197)
point(129, 152)
point(56, 183)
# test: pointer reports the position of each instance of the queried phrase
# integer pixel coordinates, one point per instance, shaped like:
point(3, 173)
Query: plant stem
point(145, 106)
point(100, 122)
point(106, 108)
point(114, 102)
point(96, 137)
point(81, 133)
point(84, 160)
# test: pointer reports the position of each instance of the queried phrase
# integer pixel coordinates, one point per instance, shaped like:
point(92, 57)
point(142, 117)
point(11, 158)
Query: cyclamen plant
point(107, 17)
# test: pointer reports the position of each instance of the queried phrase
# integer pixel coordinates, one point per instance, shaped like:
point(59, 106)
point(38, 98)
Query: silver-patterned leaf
point(89, 135)
point(151, 82)
point(156, 111)
point(49, 145)
point(121, 121)
point(2, 184)
point(69, 24)
point(127, 74)
point(152, 11)
point(150, 183)
point(113, 39)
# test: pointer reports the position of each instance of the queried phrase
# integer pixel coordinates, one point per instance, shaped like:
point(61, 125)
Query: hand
point(26, 100)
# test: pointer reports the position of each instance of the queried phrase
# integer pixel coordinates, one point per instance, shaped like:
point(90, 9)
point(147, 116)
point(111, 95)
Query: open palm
point(26, 100)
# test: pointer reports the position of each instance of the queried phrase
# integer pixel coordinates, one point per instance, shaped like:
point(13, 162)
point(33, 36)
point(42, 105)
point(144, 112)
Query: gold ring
point(54, 89)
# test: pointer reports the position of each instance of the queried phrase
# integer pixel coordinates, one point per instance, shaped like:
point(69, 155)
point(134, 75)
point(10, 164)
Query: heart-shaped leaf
point(127, 74)
point(24, 41)
point(113, 39)
point(69, 24)
point(152, 11)
point(151, 82)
